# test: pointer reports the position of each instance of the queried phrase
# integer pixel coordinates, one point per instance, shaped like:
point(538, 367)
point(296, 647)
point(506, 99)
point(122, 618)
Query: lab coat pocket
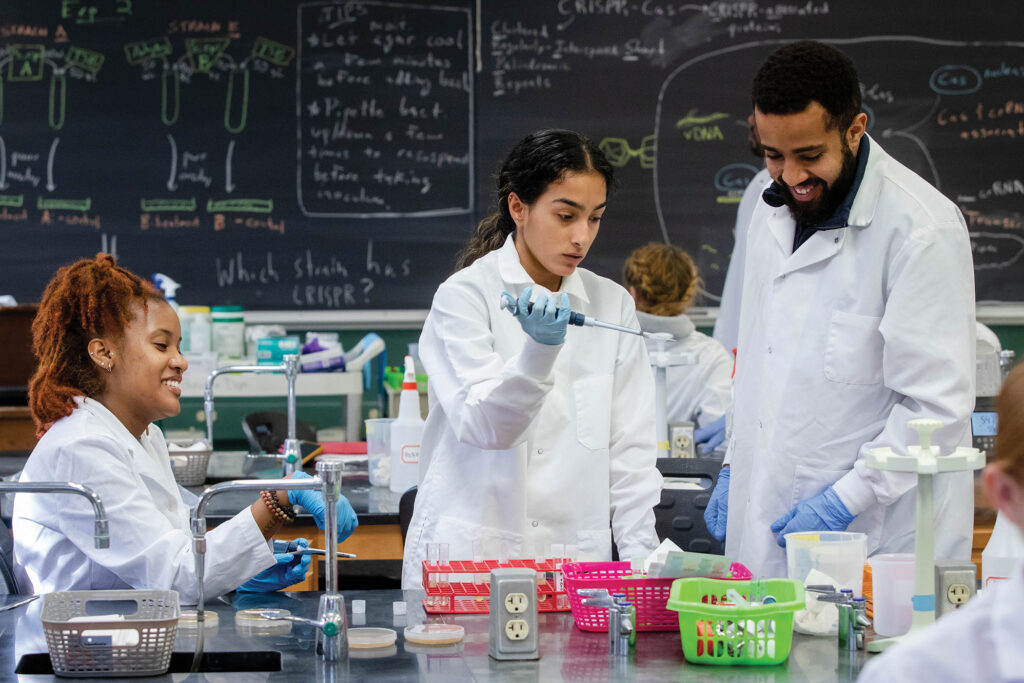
point(810, 480)
point(853, 349)
point(595, 545)
point(593, 396)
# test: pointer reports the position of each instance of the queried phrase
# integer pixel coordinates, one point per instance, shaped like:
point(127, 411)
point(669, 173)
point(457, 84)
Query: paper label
point(411, 454)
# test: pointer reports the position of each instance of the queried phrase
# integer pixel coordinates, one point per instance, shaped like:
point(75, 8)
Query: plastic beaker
point(838, 554)
point(378, 450)
point(892, 592)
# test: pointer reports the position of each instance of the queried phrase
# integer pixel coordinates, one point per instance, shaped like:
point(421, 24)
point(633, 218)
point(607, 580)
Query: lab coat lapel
point(822, 245)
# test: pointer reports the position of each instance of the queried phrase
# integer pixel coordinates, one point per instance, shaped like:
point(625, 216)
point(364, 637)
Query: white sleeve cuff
point(537, 360)
point(856, 493)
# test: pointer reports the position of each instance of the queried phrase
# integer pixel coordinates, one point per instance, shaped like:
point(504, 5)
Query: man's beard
point(809, 214)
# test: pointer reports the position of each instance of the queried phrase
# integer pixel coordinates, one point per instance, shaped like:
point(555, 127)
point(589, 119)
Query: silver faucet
point(101, 532)
point(290, 367)
point(332, 638)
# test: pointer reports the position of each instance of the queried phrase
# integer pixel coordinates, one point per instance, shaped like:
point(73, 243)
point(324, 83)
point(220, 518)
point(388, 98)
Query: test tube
point(442, 578)
point(478, 557)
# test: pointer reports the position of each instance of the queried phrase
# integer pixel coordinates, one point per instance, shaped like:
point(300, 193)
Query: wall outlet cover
point(513, 614)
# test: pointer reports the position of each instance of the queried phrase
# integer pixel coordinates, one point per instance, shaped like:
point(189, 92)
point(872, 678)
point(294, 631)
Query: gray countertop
point(566, 653)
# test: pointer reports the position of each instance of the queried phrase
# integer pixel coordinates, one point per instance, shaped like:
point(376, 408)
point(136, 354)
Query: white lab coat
point(530, 444)
point(150, 541)
point(699, 393)
point(979, 642)
point(727, 322)
point(841, 343)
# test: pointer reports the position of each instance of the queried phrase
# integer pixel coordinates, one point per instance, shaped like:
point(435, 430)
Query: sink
point(181, 662)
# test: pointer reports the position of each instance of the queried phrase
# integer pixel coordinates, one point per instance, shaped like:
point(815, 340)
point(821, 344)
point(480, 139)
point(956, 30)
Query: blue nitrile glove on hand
point(289, 570)
point(824, 512)
point(717, 512)
point(711, 435)
point(548, 321)
point(314, 503)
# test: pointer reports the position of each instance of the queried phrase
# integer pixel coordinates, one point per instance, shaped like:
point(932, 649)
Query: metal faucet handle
point(329, 628)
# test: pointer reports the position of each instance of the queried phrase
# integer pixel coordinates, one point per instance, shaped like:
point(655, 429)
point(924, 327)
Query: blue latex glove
point(548, 320)
point(288, 571)
point(711, 435)
point(717, 512)
point(824, 512)
point(314, 503)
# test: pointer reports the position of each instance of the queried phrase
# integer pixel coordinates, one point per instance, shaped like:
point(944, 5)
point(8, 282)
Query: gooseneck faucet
point(290, 367)
point(101, 532)
point(329, 484)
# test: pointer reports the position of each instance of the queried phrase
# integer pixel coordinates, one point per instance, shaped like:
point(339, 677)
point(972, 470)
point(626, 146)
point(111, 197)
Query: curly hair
point(664, 278)
point(808, 71)
point(83, 301)
point(539, 159)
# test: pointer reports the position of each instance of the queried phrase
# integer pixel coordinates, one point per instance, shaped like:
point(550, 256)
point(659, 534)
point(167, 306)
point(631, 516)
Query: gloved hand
point(711, 435)
point(289, 570)
point(549, 319)
point(717, 512)
point(823, 512)
point(314, 502)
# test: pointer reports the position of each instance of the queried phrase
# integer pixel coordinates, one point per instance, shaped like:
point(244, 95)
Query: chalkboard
point(335, 155)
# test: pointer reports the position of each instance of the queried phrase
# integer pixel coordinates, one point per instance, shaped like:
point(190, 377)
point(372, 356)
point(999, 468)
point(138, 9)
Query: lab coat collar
point(102, 413)
point(1006, 625)
point(679, 326)
point(512, 272)
point(862, 211)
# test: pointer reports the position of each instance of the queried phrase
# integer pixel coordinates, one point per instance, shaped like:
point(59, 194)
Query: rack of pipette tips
point(448, 596)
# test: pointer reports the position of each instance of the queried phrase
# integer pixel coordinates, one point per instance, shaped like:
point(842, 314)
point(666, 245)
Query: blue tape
point(924, 603)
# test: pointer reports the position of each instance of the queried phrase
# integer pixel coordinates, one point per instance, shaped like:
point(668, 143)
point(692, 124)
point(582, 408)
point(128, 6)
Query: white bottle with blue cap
point(170, 290)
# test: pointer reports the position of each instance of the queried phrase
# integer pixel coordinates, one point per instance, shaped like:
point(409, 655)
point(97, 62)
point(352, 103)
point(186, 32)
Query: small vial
point(359, 607)
point(399, 608)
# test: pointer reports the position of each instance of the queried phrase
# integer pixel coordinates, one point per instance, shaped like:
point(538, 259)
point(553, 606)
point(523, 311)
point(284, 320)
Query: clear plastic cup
point(378, 449)
point(892, 592)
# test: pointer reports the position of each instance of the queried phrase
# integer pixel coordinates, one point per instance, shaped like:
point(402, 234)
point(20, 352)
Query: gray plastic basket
point(189, 467)
point(140, 645)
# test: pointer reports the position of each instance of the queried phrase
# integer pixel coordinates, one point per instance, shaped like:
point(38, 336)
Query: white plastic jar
point(228, 331)
point(195, 329)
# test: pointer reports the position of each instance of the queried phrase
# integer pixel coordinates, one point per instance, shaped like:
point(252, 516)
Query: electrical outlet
point(955, 584)
point(516, 603)
point(517, 629)
point(513, 614)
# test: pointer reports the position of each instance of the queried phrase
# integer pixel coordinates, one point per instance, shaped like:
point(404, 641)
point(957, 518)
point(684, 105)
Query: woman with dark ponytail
point(109, 366)
point(537, 434)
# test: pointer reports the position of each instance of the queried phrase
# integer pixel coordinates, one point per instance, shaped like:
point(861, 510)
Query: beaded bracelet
point(272, 503)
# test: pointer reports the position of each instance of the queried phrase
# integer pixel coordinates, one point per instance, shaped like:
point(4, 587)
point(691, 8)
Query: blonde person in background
point(981, 641)
point(663, 281)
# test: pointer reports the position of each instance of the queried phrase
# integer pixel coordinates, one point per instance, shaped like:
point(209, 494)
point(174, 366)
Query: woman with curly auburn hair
point(109, 366)
point(663, 280)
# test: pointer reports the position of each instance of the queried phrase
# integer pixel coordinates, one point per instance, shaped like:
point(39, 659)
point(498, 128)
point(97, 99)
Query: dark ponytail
point(539, 159)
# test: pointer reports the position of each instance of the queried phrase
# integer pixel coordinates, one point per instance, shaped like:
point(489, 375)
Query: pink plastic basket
point(649, 596)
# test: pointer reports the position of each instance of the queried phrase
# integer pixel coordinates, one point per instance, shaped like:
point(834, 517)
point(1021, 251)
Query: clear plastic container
point(839, 554)
point(892, 592)
point(378, 450)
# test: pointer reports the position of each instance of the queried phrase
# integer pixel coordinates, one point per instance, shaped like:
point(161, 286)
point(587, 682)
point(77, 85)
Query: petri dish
point(434, 634)
point(187, 619)
point(253, 622)
point(370, 637)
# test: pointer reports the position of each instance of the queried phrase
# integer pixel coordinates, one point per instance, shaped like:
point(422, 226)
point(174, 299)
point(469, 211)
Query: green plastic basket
point(724, 634)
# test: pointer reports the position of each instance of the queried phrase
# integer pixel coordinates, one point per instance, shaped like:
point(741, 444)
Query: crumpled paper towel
point(819, 618)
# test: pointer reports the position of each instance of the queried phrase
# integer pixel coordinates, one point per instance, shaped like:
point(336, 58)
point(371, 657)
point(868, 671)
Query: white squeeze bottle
point(406, 433)
point(1005, 548)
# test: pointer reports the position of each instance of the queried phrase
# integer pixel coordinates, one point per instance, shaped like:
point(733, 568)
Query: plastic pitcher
point(892, 588)
point(378, 450)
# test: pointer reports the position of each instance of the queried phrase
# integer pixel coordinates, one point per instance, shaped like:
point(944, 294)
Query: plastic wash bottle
point(406, 433)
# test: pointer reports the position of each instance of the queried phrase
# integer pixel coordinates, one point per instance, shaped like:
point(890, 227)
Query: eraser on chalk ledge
point(398, 607)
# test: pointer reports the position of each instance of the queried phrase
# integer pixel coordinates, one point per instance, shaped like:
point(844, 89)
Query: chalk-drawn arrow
point(50, 185)
point(171, 184)
point(3, 164)
point(228, 185)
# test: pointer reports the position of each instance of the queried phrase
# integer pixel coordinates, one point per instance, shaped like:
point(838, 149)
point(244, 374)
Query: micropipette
point(509, 303)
